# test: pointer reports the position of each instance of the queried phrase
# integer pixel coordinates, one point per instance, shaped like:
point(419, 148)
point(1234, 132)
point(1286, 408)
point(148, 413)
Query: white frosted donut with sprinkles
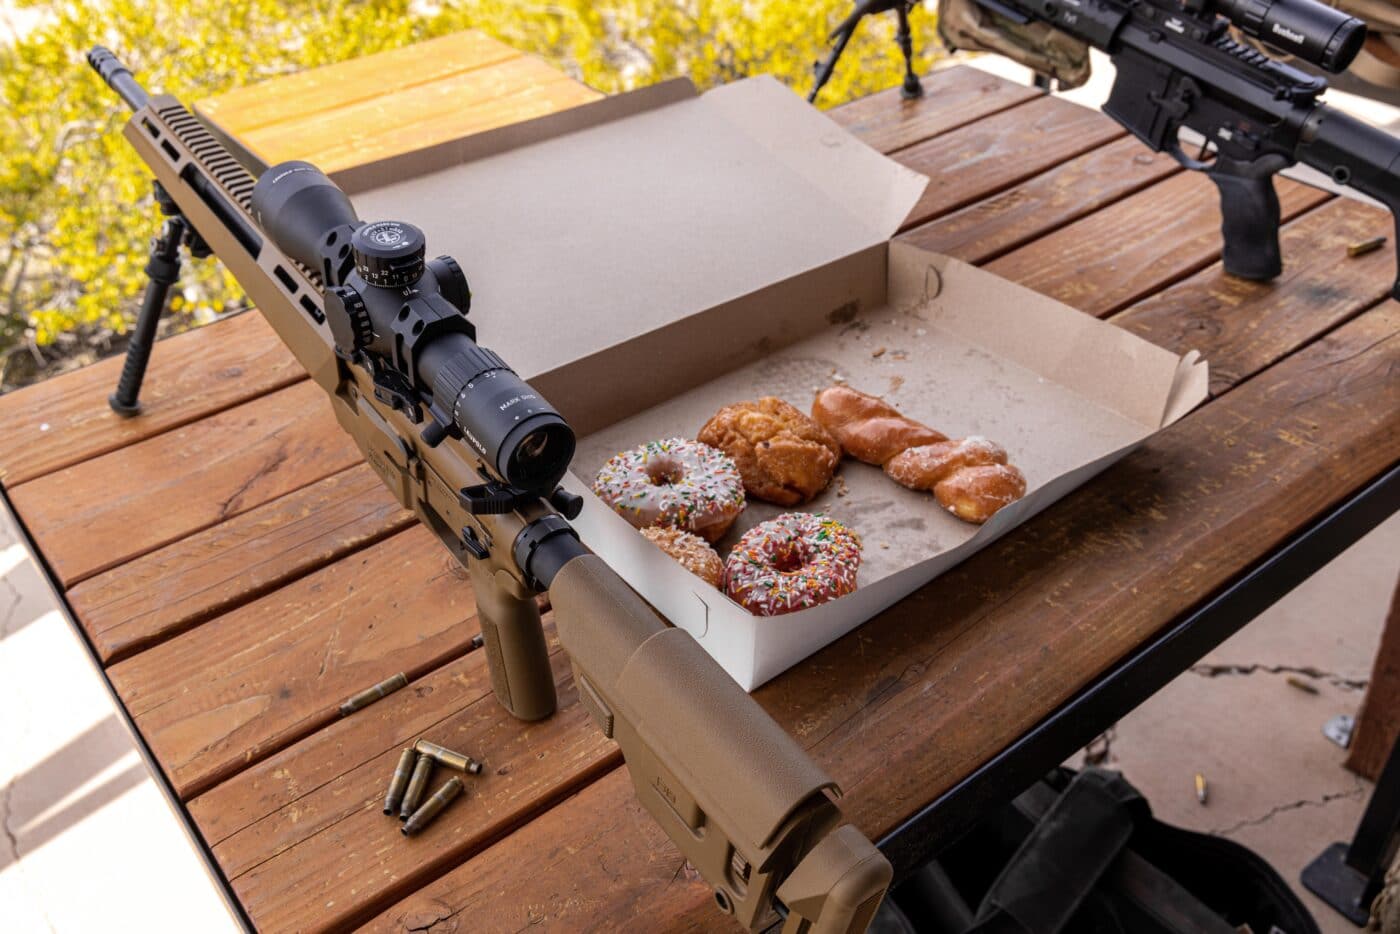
point(792, 563)
point(674, 483)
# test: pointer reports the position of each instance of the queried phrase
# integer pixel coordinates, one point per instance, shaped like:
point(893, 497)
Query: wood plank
point(103, 512)
point(1248, 325)
point(1135, 247)
point(953, 97)
point(292, 97)
point(1378, 723)
point(982, 158)
point(65, 420)
point(982, 653)
point(164, 593)
point(302, 835)
point(255, 680)
point(1064, 194)
point(389, 124)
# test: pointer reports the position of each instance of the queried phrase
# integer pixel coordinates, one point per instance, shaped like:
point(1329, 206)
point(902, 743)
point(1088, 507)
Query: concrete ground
point(90, 842)
point(1274, 782)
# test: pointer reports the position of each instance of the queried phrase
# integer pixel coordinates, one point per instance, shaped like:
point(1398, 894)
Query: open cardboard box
point(649, 258)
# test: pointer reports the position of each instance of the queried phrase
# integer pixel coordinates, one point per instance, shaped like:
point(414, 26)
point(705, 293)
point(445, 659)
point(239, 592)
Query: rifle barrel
point(118, 77)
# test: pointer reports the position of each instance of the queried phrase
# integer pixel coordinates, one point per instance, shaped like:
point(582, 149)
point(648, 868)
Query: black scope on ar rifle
point(407, 315)
point(1311, 30)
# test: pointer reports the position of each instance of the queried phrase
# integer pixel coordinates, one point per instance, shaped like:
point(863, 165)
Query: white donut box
point(646, 259)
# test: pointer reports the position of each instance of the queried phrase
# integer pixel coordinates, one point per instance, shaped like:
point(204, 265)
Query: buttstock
point(740, 798)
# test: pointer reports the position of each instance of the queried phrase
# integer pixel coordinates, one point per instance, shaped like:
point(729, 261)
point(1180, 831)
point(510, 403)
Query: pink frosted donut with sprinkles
point(674, 483)
point(792, 563)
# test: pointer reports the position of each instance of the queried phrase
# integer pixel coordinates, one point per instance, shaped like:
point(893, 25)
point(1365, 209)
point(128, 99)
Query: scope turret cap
point(389, 254)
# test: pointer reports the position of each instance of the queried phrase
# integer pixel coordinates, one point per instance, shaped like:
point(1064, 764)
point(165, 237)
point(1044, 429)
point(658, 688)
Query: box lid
point(612, 230)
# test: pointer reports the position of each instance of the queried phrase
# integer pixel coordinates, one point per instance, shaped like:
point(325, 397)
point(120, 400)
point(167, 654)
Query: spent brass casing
point(370, 695)
point(394, 796)
point(417, 784)
point(1365, 246)
point(444, 756)
point(433, 806)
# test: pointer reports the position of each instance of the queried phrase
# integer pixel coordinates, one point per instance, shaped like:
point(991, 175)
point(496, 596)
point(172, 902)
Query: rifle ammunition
point(433, 806)
point(370, 695)
point(394, 796)
point(444, 756)
point(1365, 246)
point(417, 784)
point(1200, 788)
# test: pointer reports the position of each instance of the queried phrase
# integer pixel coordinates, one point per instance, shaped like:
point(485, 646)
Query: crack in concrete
point(11, 840)
point(1273, 812)
point(16, 598)
point(1332, 678)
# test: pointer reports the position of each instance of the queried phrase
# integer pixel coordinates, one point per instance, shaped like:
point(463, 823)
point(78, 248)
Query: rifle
point(1179, 67)
point(467, 444)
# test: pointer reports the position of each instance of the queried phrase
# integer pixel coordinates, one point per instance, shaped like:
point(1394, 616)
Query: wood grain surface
point(1247, 326)
point(64, 421)
point(160, 594)
point(254, 680)
point(1011, 146)
point(1378, 722)
point(975, 658)
point(107, 510)
point(1056, 197)
point(292, 97)
point(887, 122)
point(299, 832)
point(1136, 246)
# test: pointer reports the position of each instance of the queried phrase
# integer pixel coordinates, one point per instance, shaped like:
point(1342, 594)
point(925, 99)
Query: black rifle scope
point(1309, 29)
point(405, 318)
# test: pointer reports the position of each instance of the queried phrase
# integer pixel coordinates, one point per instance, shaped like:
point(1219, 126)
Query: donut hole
point(788, 558)
point(664, 473)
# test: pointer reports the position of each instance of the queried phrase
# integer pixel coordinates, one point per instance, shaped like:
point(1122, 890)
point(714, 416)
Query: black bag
point(1082, 853)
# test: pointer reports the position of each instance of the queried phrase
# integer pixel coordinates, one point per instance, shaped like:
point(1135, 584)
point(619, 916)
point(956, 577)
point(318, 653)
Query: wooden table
point(229, 557)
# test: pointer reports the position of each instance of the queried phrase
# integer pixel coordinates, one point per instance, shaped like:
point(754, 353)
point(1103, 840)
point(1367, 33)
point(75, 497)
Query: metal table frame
point(1137, 677)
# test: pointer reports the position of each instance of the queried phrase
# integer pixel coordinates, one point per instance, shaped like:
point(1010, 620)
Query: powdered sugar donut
point(674, 483)
point(791, 563)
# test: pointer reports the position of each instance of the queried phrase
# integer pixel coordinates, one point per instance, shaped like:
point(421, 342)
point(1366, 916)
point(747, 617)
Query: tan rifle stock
point(739, 797)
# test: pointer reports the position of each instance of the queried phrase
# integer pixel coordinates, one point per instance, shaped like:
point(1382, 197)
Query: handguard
point(977, 25)
point(744, 803)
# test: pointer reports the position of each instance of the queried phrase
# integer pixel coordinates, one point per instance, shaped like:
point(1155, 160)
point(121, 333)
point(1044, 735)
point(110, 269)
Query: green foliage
point(76, 212)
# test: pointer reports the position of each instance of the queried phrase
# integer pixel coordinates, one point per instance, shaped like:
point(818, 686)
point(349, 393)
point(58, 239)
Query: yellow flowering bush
point(76, 212)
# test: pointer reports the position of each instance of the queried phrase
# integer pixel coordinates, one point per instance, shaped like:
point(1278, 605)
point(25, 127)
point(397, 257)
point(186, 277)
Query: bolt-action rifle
point(467, 444)
point(1179, 66)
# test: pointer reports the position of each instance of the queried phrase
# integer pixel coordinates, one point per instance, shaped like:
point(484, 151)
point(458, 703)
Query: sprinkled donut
point(791, 563)
point(674, 483)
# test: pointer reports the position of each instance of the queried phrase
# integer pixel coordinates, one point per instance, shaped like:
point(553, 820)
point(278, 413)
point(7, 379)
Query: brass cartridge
point(417, 784)
point(371, 694)
point(394, 796)
point(433, 806)
point(444, 756)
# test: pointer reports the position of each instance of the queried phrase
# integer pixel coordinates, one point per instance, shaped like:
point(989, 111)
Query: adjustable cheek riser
point(741, 799)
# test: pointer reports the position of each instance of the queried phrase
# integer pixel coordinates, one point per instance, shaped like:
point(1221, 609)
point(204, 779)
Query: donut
point(690, 551)
point(791, 563)
point(783, 456)
point(974, 494)
point(674, 483)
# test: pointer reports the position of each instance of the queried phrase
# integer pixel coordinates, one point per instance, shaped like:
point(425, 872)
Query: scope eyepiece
point(517, 432)
point(1313, 31)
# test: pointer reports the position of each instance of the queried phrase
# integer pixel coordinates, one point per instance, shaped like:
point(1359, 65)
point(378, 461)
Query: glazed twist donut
point(969, 477)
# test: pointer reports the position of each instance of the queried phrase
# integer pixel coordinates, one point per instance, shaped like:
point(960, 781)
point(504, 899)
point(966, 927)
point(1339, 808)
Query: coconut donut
point(674, 483)
point(791, 563)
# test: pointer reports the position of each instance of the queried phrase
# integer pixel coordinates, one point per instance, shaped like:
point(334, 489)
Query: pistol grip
point(513, 638)
point(1249, 212)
